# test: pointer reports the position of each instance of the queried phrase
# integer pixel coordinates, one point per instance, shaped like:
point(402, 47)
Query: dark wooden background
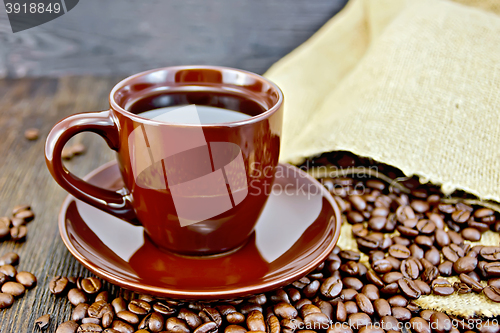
point(70, 64)
point(109, 37)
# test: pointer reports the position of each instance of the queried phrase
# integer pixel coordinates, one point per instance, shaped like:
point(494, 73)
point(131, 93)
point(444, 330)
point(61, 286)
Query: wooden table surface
point(24, 178)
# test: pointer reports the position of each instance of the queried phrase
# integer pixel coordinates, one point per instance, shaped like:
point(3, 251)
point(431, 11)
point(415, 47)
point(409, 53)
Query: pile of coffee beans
point(407, 243)
point(412, 240)
point(13, 284)
point(15, 227)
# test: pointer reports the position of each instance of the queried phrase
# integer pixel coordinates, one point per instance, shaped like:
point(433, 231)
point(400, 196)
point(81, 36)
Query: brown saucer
point(297, 230)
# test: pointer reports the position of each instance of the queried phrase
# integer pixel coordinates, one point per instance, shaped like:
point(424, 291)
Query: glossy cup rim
point(266, 114)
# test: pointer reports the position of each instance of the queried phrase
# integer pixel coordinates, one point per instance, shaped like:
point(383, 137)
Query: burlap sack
point(414, 84)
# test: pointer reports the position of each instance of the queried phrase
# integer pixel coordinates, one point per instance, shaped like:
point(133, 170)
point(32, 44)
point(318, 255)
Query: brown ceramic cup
point(198, 189)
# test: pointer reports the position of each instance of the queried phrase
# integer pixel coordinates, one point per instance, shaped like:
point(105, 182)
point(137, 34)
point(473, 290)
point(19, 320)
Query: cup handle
point(116, 203)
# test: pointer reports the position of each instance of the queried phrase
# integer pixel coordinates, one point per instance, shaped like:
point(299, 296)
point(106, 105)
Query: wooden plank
point(24, 178)
point(109, 37)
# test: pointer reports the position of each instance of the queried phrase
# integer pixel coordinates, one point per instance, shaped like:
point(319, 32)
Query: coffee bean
point(480, 226)
point(6, 300)
point(426, 227)
point(408, 232)
point(455, 237)
point(409, 288)
point(97, 309)
point(492, 269)
point(348, 294)
point(152, 322)
point(78, 149)
point(440, 322)
point(409, 268)
point(358, 320)
point(311, 289)
point(317, 320)
point(372, 277)
point(465, 265)
point(193, 320)
point(389, 323)
point(462, 288)
point(43, 322)
point(352, 282)
point(382, 266)
point(481, 269)
point(390, 289)
point(420, 206)
point(255, 321)
point(139, 307)
point(460, 216)
point(442, 238)
point(9, 271)
point(31, 134)
point(354, 217)
point(234, 329)
point(67, 327)
point(357, 202)
point(80, 312)
point(10, 258)
point(416, 251)
point(401, 313)
point(331, 287)
point(364, 304)
point(392, 277)
point(27, 279)
point(122, 327)
point(326, 308)
point(492, 292)
point(452, 252)
point(213, 314)
point(341, 312)
point(350, 255)
point(471, 234)
point(382, 307)
point(285, 310)
point(235, 318)
point(76, 296)
point(293, 294)
point(401, 240)
point(13, 288)
point(398, 300)
point(494, 282)
point(91, 285)
point(89, 328)
point(433, 256)
point(371, 291)
point(58, 285)
point(308, 309)
point(377, 223)
point(404, 213)
point(399, 251)
point(424, 241)
point(419, 325)
point(209, 327)
point(446, 268)
point(442, 287)
point(351, 307)
point(350, 268)
point(490, 253)
point(475, 285)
